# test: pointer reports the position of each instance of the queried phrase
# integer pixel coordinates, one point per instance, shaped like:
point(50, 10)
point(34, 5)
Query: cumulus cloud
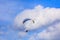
point(42, 16)
point(51, 33)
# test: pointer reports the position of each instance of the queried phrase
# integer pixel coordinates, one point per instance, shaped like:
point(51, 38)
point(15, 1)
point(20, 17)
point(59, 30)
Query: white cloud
point(32, 38)
point(41, 16)
point(22, 34)
point(51, 33)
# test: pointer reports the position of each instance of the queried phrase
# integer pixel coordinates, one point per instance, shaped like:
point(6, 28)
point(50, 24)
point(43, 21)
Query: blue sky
point(9, 9)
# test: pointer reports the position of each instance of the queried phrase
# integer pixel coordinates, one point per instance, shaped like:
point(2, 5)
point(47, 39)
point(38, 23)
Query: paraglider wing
point(26, 20)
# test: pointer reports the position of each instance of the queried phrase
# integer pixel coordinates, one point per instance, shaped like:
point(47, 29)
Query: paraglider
point(26, 30)
point(26, 21)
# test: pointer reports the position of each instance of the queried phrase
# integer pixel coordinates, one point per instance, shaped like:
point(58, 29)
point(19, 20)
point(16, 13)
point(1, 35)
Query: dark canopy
point(27, 20)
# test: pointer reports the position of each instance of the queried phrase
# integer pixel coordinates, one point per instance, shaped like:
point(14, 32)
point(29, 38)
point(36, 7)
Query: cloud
point(51, 33)
point(33, 37)
point(22, 34)
point(42, 16)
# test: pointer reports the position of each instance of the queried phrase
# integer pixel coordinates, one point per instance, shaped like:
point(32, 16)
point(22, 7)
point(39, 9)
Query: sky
point(45, 13)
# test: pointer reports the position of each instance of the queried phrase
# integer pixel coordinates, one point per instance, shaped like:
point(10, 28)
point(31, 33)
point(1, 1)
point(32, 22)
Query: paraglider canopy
point(28, 20)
